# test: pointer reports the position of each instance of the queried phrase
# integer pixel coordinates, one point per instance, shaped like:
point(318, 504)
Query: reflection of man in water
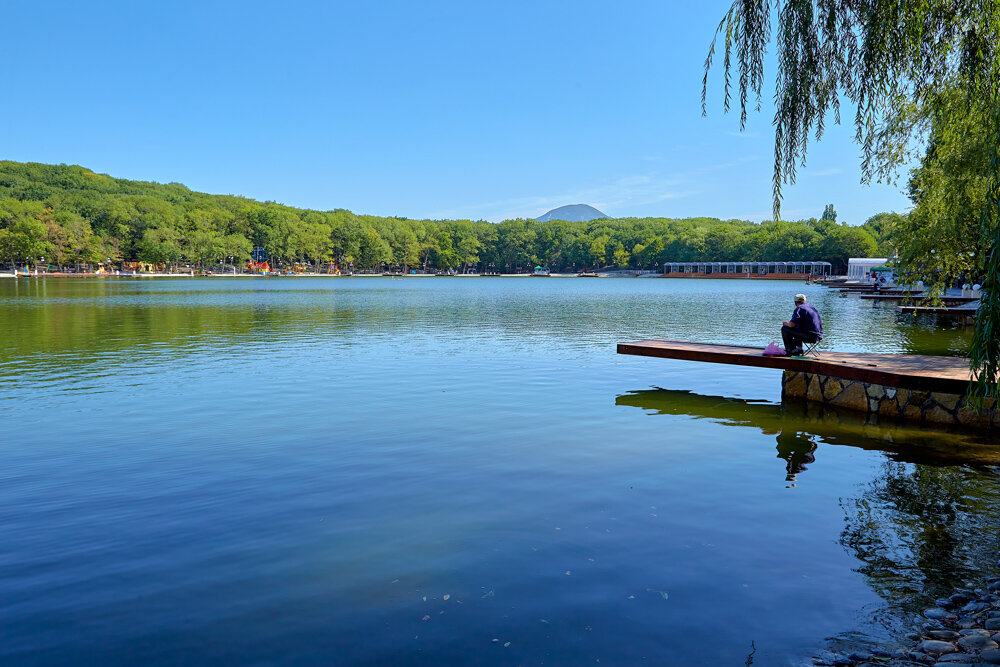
point(797, 450)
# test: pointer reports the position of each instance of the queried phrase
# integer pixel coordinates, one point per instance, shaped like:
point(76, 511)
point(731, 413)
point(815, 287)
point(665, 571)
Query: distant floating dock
point(966, 310)
point(801, 270)
point(898, 295)
point(914, 387)
point(920, 298)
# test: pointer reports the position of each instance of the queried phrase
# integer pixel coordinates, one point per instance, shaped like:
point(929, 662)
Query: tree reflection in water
point(927, 524)
point(921, 531)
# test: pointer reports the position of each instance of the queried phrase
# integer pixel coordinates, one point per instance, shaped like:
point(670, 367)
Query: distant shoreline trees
point(72, 216)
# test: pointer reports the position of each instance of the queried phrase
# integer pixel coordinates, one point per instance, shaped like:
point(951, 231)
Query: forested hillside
point(70, 216)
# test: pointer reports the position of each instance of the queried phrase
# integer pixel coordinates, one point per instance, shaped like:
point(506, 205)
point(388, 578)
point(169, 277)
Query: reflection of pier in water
point(799, 426)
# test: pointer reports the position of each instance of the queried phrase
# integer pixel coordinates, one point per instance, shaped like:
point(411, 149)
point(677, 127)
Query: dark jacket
point(807, 320)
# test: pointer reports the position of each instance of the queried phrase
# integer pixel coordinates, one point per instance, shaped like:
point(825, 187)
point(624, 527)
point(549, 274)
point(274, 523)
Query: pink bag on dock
point(772, 350)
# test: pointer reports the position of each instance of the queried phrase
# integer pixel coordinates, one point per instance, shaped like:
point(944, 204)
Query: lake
point(428, 471)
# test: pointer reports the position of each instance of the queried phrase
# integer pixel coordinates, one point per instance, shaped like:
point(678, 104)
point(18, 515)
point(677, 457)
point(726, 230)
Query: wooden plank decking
point(906, 371)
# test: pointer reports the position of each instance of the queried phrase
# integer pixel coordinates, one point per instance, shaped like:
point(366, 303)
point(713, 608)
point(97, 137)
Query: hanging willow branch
point(984, 356)
point(894, 60)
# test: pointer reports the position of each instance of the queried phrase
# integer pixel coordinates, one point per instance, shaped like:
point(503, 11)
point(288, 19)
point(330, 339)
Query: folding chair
point(810, 347)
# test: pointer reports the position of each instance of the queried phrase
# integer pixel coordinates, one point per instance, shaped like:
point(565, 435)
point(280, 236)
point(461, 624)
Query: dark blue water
point(375, 471)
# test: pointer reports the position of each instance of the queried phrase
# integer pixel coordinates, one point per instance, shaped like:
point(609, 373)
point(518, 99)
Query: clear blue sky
point(425, 110)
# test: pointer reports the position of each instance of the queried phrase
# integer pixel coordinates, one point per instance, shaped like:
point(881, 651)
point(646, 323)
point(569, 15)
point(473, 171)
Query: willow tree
point(901, 64)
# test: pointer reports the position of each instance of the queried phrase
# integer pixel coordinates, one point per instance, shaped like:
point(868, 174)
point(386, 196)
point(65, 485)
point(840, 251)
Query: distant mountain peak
point(572, 213)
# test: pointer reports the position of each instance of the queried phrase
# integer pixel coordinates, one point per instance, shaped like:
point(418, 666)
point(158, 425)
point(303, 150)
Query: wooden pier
point(890, 296)
point(966, 310)
point(869, 292)
point(915, 387)
point(921, 299)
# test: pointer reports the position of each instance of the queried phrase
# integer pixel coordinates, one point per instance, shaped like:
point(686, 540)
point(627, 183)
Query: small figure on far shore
point(806, 326)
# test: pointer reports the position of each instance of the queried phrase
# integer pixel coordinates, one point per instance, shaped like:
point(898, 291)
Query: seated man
point(804, 327)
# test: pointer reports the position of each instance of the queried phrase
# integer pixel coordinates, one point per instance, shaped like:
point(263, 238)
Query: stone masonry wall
point(921, 406)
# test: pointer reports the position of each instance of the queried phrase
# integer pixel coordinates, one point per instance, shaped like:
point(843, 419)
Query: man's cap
point(800, 297)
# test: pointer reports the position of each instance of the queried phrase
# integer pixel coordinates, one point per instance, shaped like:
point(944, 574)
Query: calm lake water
point(374, 471)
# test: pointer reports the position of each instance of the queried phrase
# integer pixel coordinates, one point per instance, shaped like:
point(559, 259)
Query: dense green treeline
point(70, 215)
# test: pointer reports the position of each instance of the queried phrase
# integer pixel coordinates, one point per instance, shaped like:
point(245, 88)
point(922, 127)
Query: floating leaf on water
point(446, 597)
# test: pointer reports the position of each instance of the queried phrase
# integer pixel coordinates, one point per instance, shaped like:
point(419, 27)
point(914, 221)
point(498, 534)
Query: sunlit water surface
point(456, 471)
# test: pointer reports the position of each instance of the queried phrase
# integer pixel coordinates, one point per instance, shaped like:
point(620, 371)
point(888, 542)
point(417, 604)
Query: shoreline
point(56, 274)
point(961, 630)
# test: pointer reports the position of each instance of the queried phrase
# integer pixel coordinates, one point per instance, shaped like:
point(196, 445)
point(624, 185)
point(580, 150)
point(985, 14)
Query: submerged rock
point(936, 647)
point(977, 643)
point(974, 631)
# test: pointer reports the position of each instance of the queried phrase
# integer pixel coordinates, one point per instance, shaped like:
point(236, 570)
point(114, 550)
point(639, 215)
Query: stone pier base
point(918, 406)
